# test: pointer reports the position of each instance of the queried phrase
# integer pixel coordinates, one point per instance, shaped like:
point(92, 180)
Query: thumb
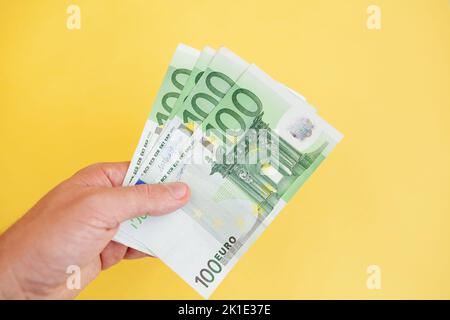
point(154, 199)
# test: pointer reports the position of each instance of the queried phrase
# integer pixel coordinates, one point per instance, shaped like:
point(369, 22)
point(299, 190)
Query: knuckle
point(89, 195)
point(94, 167)
point(89, 169)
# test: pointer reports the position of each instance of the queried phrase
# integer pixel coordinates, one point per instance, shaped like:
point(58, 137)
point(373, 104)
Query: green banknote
point(174, 81)
point(173, 86)
point(220, 75)
point(199, 68)
point(214, 76)
point(257, 147)
point(201, 64)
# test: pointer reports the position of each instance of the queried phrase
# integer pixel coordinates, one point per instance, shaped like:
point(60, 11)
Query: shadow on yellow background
point(69, 98)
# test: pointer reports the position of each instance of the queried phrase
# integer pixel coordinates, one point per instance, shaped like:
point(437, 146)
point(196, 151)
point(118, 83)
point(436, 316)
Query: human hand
point(73, 225)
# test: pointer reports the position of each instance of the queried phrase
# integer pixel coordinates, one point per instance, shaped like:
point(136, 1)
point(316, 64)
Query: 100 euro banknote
point(220, 75)
point(235, 194)
point(213, 77)
point(173, 83)
point(170, 88)
point(217, 121)
point(172, 135)
point(201, 65)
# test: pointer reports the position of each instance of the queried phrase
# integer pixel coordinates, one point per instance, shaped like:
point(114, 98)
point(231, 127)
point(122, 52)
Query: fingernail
point(177, 190)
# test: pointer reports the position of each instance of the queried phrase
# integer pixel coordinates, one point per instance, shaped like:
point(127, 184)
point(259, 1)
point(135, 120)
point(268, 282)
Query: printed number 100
point(206, 275)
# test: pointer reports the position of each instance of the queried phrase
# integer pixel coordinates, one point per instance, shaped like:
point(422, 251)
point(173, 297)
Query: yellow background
point(71, 98)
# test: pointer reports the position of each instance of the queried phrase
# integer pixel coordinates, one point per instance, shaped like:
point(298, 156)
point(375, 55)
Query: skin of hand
point(73, 225)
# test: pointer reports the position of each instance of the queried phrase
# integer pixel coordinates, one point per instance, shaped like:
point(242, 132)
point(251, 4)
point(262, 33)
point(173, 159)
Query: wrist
point(10, 286)
point(19, 280)
point(22, 276)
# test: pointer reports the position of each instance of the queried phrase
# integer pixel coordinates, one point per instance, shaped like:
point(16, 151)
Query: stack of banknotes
point(242, 141)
